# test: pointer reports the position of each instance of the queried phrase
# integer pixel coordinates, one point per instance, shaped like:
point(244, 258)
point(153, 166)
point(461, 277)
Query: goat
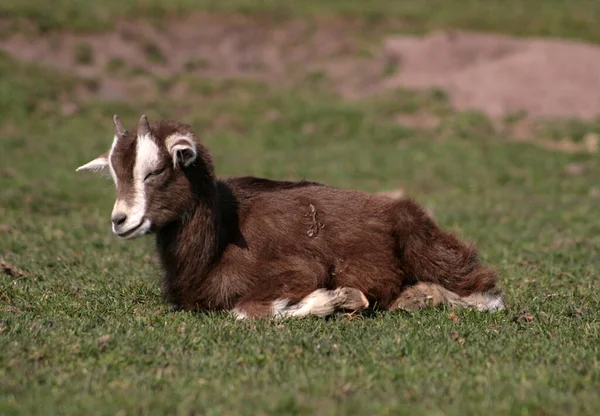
point(259, 247)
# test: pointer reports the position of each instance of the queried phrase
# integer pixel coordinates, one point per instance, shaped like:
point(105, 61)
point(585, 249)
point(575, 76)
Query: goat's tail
point(431, 255)
point(422, 295)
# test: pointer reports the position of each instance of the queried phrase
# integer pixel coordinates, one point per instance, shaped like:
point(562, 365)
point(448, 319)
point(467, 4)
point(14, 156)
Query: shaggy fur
point(252, 244)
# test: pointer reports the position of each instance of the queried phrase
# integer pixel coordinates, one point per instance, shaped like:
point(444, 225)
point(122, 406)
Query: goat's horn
point(143, 126)
point(119, 126)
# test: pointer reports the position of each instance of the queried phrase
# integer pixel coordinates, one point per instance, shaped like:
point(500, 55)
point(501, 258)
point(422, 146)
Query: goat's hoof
point(352, 299)
point(411, 302)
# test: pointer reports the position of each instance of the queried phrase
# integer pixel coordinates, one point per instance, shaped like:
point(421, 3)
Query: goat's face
point(149, 172)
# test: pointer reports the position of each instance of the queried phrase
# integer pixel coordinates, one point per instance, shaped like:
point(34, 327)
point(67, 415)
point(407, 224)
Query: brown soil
point(212, 46)
point(501, 75)
point(498, 75)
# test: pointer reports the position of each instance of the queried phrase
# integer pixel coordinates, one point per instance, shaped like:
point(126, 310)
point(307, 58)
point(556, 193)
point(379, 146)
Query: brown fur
point(245, 242)
point(369, 243)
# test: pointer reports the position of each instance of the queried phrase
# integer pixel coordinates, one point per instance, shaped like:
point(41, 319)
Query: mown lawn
point(84, 331)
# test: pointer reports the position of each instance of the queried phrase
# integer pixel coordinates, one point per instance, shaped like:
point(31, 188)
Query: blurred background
point(487, 112)
point(446, 100)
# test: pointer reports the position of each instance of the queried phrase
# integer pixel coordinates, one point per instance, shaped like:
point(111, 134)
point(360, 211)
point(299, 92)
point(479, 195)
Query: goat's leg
point(443, 268)
point(417, 297)
point(321, 302)
point(423, 295)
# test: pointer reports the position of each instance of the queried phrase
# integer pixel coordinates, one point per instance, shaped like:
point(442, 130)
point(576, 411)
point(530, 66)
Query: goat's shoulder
point(339, 202)
point(248, 194)
point(238, 196)
point(252, 184)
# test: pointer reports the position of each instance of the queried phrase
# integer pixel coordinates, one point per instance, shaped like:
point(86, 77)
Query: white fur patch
point(112, 169)
point(279, 307)
point(485, 301)
point(239, 314)
point(181, 144)
point(321, 302)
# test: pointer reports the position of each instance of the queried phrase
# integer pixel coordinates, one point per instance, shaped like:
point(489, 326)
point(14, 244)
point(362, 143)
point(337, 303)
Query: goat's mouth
point(137, 231)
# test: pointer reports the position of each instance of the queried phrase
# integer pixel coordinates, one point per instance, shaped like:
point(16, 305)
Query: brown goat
point(261, 247)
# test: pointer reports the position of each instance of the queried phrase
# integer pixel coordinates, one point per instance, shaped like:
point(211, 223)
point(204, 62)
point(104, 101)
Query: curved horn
point(143, 126)
point(119, 126)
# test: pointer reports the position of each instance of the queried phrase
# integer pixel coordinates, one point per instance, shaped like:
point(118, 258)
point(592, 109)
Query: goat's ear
point(182, 149)
point(100, 164)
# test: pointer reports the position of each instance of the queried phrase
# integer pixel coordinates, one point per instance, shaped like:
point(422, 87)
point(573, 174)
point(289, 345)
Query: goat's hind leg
point(422, 295)
point(418, 296)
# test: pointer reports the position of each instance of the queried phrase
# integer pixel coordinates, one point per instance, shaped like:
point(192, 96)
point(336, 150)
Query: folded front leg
point(320, 302)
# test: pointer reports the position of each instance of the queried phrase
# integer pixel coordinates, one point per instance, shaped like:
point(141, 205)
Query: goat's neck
point(189, 247)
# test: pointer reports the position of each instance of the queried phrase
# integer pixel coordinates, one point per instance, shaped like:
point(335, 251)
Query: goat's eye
point(155, 172)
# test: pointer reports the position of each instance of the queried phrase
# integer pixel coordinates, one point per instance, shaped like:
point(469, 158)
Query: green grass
point(84, 54)
point(87, 332)
point(561, 18)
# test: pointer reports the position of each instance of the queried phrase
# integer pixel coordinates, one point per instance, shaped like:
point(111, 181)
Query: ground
point(336, 92)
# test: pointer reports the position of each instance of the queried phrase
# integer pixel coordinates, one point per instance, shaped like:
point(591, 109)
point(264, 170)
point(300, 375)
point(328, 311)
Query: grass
point(84, 54)
point(153, 53)
point(86, 331)
point(560, 18)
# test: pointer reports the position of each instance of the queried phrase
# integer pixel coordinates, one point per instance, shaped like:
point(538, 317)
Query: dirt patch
point(211, 46)
point(498, 75)
point(501, 75)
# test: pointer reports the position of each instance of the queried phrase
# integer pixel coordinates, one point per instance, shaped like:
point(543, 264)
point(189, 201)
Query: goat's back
point(334, 237)
point(339, 237)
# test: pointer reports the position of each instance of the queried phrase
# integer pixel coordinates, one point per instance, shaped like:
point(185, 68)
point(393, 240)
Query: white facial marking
point(177, 143)
point(110, 166)
point(147, 159)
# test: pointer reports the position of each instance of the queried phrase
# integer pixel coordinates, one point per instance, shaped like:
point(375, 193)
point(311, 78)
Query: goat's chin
point(138, 231)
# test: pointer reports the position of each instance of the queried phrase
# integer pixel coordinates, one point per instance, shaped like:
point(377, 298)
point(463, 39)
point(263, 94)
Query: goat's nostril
point(119, 218)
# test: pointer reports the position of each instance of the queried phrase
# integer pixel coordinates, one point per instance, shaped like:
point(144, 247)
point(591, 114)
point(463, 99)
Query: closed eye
point(155, 172)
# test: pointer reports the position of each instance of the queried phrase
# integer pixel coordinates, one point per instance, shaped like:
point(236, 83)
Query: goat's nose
point(119, 218)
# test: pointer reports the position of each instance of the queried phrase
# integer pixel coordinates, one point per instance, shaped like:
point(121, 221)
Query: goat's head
point(154, 171)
